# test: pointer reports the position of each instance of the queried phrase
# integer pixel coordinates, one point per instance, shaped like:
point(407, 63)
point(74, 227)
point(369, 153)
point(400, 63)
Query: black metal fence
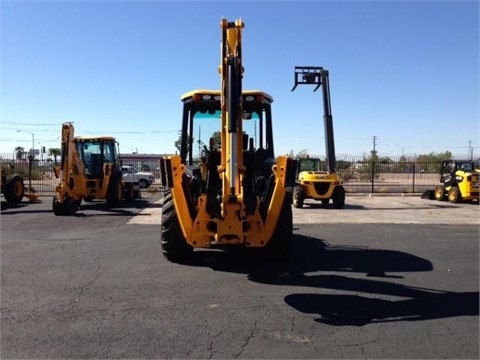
point(359, 174)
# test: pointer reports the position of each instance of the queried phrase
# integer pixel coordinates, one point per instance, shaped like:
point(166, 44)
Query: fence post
point(373, 175)
point(30, 166)
point(414, 172)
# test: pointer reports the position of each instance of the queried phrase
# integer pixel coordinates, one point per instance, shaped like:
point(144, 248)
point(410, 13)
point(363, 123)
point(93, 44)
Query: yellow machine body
point(235, 194)
point(317, 185)
point(89, 170)
point(460, 182)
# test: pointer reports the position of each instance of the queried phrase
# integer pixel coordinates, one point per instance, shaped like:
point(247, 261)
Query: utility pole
point(373, 163)
point(470, 148)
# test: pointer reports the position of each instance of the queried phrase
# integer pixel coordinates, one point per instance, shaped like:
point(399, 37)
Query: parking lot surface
point(384, 278)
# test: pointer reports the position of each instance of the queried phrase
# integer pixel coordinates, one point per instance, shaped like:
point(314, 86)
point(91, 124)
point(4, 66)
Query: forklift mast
point(316, 75)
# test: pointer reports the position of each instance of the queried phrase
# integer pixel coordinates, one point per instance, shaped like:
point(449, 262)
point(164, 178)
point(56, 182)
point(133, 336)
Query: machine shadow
point(312, 264)
point(310, 255)
point(356, 310)
point(129, 208)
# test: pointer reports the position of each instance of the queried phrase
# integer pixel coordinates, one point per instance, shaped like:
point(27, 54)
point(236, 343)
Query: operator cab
point(202, 120)
point(94, 152)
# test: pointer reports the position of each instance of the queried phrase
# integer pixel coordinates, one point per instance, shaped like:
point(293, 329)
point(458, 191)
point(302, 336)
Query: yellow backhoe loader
point(89, 170)
point(237, 195)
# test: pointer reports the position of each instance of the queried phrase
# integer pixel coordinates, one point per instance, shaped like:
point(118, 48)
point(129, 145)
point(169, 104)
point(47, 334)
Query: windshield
point(207, 125)
point(309, 165)
point(98, 151)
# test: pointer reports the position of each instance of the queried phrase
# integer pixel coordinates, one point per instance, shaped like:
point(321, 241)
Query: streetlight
point(30, 158)
point(33, 140)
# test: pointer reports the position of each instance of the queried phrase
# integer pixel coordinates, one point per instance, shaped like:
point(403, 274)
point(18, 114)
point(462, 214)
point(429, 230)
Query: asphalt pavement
point(385, 277)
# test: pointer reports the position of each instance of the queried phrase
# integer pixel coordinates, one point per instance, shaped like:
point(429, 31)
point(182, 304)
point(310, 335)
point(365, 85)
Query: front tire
point(115, 191)
point(129, 193)
point(65, 208)
point(439, 193)
point(338, 197)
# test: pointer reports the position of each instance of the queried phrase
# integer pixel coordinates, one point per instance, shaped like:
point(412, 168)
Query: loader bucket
point(33, 198)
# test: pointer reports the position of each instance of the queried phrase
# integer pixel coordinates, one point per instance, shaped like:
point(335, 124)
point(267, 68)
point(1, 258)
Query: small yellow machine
point(89, 170)
point(237, 194)
point(312, 182)
point(460, 182)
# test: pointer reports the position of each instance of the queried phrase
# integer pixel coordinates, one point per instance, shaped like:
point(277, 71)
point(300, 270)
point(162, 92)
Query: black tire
point(137, 194)
point(338, 197)
point(439, 193)
point(14, 190)
point(143, 183)
point(68, 207)
point(115, 191)
point(174, 245)
point(454, 195)
point(298, 197)
point(280, 246)
point(129, 193)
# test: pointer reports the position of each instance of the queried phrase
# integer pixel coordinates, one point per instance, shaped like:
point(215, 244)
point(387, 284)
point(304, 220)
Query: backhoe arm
point(231, 94)
point(71, 167)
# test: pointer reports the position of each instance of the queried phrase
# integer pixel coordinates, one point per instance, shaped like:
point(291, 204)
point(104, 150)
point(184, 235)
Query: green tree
point(54, 152)
point(432, 162)
point(217, 139)
point(371, 166)
point(19, 151)
point(178, 142)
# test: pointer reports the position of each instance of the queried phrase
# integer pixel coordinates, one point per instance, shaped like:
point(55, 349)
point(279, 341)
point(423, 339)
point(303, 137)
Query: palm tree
point(19, 151)
point(54, 152)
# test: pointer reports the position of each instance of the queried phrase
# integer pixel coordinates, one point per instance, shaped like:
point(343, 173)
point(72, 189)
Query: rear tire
point(14, 190)
point(280, 246)
point(454, 195)
point(174, 245)
point(298, 197)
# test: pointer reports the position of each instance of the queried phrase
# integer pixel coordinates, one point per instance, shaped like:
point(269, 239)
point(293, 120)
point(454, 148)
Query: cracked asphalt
point(386, 277)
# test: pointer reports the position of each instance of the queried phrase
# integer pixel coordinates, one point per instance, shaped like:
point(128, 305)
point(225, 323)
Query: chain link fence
point(359, 174)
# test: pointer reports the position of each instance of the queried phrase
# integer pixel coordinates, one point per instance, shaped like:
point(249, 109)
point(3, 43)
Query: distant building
point(143, 162)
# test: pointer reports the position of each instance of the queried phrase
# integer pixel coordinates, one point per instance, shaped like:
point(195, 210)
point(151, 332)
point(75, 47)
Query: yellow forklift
point(312, 182)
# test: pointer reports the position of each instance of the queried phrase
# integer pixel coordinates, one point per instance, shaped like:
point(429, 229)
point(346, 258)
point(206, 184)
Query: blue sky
point(406, 72)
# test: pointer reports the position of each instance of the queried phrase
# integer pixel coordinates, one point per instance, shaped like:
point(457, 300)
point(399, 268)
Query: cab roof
point(95, 138)
point(255, 93)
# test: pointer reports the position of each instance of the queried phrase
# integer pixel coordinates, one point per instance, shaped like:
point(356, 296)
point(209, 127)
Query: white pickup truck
point(131, 174)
